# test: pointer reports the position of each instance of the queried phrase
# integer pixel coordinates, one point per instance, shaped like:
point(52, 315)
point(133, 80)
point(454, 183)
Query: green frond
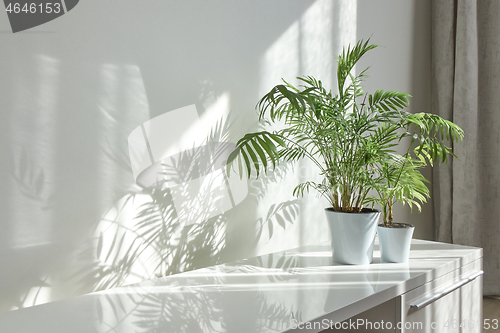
point(351, 136)
point(256, 149)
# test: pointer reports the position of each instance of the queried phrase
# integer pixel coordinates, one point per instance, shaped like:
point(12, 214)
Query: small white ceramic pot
point(353, 235)
point(395, 242)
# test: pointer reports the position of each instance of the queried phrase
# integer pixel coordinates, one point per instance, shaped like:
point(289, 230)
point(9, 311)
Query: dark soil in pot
point(397, 225)
point(364, 210)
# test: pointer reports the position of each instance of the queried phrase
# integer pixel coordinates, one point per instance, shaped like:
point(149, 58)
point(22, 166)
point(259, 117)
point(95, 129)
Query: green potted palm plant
point(405, 184)
point(350, 136)
point(402, 182)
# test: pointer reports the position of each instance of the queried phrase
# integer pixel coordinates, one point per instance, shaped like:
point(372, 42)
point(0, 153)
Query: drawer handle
point(446, 291)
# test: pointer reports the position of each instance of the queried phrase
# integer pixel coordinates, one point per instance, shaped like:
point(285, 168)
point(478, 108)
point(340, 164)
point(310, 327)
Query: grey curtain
point(466, 89)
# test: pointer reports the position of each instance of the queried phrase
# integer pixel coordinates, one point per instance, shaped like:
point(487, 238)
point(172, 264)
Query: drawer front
point(449, 304)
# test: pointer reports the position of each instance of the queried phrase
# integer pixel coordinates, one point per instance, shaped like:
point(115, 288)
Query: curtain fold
point(466, 90)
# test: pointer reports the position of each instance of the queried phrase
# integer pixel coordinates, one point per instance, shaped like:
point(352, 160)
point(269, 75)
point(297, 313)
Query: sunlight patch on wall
point(177, 220)
point(34, 155)
point(110, 80)
point(346, 13)
point(186, 153)
point(347, 24)
point(308, 47)
point(36, 295)
point(123, 103)
point(140, 238)
point(281, 60)
point(316, 26)
point(127, 257)
point(176, 131)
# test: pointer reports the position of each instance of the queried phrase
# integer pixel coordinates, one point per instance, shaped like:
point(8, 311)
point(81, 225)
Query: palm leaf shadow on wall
point(155, 243)
point(19, 287)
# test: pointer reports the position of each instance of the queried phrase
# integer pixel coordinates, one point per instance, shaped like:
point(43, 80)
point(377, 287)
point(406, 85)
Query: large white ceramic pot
point(395, 242)
point(353, 235)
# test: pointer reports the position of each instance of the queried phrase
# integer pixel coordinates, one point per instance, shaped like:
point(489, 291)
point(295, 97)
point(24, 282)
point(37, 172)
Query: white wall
point(73, 89)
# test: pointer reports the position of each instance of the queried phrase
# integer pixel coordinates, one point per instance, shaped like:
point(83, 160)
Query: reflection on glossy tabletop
point(261, 294)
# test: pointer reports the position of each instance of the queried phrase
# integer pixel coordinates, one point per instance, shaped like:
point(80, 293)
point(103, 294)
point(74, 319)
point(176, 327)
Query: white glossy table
point(262, 294)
